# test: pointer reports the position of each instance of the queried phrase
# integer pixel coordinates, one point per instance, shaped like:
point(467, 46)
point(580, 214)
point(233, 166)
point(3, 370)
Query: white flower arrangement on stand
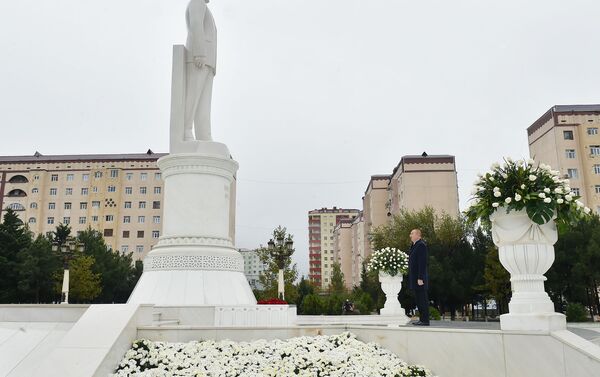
point(522, 202)
point(336, 356)
point(391, 264)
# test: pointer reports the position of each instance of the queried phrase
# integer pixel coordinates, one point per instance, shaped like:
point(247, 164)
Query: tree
point(85, 285)
point(14, 238)
point(305, 288)
point(118, 272)
point(275, 258)
point(497, 280)
point(38, 267)
point(313, 305)
point(337, 285)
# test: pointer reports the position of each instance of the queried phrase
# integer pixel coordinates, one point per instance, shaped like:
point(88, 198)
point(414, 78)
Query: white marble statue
point(201, 63)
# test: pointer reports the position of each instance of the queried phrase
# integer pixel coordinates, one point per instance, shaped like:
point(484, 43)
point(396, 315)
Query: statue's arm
point(196, 13)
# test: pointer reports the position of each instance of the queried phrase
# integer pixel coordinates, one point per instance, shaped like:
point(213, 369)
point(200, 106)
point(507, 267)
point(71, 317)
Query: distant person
point(418, 278)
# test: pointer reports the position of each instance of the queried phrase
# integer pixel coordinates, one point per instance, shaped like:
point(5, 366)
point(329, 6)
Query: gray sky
point(312, 97)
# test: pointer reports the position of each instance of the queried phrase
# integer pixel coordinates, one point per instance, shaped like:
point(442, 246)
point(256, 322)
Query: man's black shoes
point(419, 323)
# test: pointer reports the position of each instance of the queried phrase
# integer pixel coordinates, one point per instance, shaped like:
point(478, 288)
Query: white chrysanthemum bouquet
point(522, 184)
point(389, 260)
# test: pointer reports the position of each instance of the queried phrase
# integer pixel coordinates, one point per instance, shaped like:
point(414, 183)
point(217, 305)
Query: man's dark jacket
point(417, 265)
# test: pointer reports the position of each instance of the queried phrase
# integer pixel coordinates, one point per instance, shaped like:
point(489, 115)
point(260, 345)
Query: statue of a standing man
point(201, 63)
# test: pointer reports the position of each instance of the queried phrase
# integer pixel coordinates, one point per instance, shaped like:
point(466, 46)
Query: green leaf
point(540, 213)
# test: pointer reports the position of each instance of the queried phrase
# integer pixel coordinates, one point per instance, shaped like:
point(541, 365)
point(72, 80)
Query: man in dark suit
point(418, 278)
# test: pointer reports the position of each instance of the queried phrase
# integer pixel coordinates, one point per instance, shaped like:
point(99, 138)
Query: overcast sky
point(312, 97)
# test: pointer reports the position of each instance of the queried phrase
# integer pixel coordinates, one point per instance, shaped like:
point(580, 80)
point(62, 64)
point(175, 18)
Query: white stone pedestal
point(391, 286)
point(195, 262)
point(526, 251)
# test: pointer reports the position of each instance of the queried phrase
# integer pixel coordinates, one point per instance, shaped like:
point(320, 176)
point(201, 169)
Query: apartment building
point(253, 267)
point(321, 225)
point(120, 195)
point(566, 137)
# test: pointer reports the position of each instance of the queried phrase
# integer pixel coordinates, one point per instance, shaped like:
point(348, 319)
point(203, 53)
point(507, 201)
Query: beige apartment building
point(416, 182)
point(420, 181)
point(321, 225)
point(566, 137)
point(120, 195)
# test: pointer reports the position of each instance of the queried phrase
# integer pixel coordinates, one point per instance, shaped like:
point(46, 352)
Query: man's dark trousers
point(422, 299)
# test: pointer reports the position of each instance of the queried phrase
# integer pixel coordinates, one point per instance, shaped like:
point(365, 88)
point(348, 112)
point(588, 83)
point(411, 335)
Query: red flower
point(272, 301)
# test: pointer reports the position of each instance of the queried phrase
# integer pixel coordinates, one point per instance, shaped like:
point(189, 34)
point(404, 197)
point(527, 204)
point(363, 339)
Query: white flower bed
point(336, 355)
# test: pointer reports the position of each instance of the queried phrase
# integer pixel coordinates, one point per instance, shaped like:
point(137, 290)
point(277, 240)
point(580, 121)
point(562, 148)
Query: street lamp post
point(280, 250)
point(67, 250)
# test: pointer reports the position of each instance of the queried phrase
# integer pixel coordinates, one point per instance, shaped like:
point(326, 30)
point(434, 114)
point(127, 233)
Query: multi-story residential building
point(566, 137)
point(420, 181)
point(120, 195)
point(343, 243)
point(321, 225)
point(375, 212)
point(253, 267)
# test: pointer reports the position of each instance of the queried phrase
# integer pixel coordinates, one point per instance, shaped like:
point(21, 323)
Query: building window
point(127, 204)
point(156, 204)
point(157, 190)
point(575, 191)
point(139, 248)
point(141, 219)
point(34, 190)
point(53, 191)
point(108, 232)
point(83, 205)
point(128, 190)
point(96, 204)
point(157, 176)
point(32, 220)
point(129, 176)
point(125, 234)
point(592, 131)
point(98, 174)
point(33, 206)
point(570, 153)
point(70, 177)
point(95, 189)
point(143, 176)
point(50, 220)
point(85, 177)
point(596, 169)
point(109, 218)
point(68, 191)
point(95, 219)
point(572, 173)
point(595, 150)
point(51, 205)
point(84, 191)
point(82, 220)
point(54, 178)
point(142, 205)
point(568, 135)
point(66, 220)
point(140, 234)
point(143, 190)
point(114, 173)
point(67, 205)
point(155, 234)
point(156, 219)
point(126, 219)
point(36, 177)
point(597, 189)
point(111, 189)
point(125, 249)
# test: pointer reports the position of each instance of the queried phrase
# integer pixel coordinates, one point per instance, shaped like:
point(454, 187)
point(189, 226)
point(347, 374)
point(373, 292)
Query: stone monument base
point(546, 322)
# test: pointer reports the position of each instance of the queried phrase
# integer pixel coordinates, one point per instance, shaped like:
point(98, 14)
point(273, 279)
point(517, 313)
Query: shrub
point(576, 312)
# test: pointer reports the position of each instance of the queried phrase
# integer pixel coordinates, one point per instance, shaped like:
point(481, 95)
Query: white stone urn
point(391, 286)
point(526, 251)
